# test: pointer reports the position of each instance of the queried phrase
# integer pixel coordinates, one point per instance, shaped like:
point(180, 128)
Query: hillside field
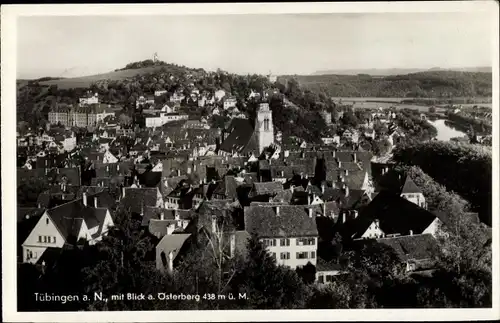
point(86, 81)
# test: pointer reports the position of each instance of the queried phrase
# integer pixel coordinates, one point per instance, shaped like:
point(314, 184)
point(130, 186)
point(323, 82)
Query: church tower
point(264, 127)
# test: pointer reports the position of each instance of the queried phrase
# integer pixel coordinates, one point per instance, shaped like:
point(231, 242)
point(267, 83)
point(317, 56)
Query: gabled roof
point(263, 188)
point(409, 186)
point(227, 187)
point(396, 215)
point(68, 217)
point(241, 138)
point(413, 247)
point(138, 198)
point(172, 243)
point(292, 221)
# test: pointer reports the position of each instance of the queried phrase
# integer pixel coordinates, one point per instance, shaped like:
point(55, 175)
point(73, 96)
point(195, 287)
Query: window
point(329, 278)
point(302, 255)
point(321, 279)
point(266, 124)
point(54, 240)
point(39, 238)
point(285, 242)
point(306, 241)
point(270, 242)
point(284, 255)
point(313, 254)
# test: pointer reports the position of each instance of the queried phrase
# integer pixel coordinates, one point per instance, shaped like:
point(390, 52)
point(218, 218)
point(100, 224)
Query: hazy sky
point(284, 44)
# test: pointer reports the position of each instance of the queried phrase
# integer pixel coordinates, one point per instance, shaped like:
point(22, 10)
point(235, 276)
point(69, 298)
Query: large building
point(80, 116)
point(164, 118)
point(243, 138)
point(288, 231)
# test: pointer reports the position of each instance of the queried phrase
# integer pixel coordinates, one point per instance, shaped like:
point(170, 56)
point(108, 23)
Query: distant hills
point(400, 71)
point(428, 84)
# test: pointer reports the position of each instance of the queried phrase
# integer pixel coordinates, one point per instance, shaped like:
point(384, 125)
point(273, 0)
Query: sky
point(280, 43)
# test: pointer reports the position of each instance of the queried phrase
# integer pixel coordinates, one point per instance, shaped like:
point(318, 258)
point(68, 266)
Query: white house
point(67, 223)
point(288, 231)
point(219, 94)
point(229, 103)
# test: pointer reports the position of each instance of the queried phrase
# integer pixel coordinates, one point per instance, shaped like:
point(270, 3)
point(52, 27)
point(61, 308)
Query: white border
point(8, 70)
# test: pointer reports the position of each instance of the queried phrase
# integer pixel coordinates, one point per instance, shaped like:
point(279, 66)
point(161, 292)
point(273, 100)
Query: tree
point(266, 285)
point(122, 265)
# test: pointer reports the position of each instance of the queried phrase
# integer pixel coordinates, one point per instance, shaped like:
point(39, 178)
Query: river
point(445, 130)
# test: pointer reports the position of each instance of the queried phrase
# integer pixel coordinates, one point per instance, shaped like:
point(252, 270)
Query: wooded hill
point(433, 84)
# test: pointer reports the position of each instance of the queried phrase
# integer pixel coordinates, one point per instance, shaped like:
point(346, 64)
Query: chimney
point(411, 232)
point(324, 209)
point(343, 217)
point(123, 192)
point(277, 210)
point(95, 202)
point(178, 172)
point(189, 170)
point(292, 188)
point(346, 172)
point(355, 158)
point(355, 213)
point(346, 191)
point(310, 200)
point(340, 164)
point(323, 188)
point(84, 198)
point(311, 212)
point(170, 262)
point(162, 215)
point(286, 153)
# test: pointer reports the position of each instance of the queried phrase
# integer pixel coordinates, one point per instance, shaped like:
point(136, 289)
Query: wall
point(42, 228)
point(373, 231)
point(293, 262)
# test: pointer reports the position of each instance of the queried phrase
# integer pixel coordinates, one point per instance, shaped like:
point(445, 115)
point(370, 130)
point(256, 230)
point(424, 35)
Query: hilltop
point(128, 72)
point(430, 84)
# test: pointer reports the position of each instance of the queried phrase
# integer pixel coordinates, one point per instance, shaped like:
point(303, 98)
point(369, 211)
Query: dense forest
point(440, 84)
point(463, 168)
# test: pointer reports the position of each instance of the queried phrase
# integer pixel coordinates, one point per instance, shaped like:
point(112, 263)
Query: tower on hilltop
point(264, 129)
point(155, 57)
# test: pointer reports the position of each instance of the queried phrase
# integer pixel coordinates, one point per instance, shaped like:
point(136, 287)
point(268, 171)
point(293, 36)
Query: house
point(89, 99)
point(243, 138)
point(219, 94)
point(160, 92)
point(177, 97)
point(148, 100)
point(413, 193)
point(417, 252)
point(226, 189)
point(351, 135)
point(265, 190)
point(326, 271)
point(229, 102)
point(136, 199)
point(288, 231)
point(168, 249)
point(389, 214)
point(164, 118)
point(67, 223)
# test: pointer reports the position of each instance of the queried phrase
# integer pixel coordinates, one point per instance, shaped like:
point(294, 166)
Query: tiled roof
point(292, 221)
point(68, 217)
point(172, 243)
point(241, 137)
point(227, 187)
point(267, 188)
point(160, 227)
point(138, 198)
point(410, 187)
point(396, 215)
point(414, 247)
